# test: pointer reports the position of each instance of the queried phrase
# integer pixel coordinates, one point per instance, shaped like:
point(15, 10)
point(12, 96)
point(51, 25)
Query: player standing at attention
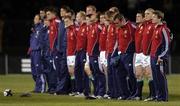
point(159, 53)
point(35, 55)
point(146, 44)
point(71, 49)
point(111, 51)
point(81, 77)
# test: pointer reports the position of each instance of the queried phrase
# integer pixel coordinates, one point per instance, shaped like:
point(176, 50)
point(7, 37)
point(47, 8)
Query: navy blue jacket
point(44, 38)
point(62, 40)
point(35, 38)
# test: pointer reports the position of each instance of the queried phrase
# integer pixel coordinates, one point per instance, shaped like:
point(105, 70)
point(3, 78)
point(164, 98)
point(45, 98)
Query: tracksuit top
point(147, 36)
point(71, 40)
point(35, 37)
point(160, 41)
point(138, 38)
point(125, 36)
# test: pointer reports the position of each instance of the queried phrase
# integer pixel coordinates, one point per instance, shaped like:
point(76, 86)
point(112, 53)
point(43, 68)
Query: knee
point(139, 72)
point(87, 71)
point(71, 70)
point(139, 75)
point(148, 74)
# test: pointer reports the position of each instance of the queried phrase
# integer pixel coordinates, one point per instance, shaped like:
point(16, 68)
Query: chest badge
point(71, 34)
point(156, 36)
point(125, 32)
point(52, 28)
point(140, 32)
point(83, 30)
point(156, 32)
point(92, 35)
point(147, 32)
point(149, 27)
point(125, 36)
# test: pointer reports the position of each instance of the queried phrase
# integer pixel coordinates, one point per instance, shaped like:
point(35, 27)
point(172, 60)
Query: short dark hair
point(109, 14)
point(91, 6)
point(52, 10)
point(71, 11)
point(118, 16)
point(141, 12)
point(102, 13)
point(42, 9)
point(68, 17)
point(66, 8)
point(37, 15)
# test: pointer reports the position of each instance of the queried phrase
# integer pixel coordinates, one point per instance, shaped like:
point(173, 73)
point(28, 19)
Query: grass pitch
point(24, 83)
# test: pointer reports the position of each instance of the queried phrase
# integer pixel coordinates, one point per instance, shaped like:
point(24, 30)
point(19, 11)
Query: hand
point(159, 60)
point(119, 52)
point(29, 51)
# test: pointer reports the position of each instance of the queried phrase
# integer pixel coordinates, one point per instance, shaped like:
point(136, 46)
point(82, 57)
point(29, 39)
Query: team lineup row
point(103, 49)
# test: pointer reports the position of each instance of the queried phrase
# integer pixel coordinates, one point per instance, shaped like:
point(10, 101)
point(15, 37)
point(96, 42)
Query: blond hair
point(159, 14)
point(82, 14)
point(150, 9)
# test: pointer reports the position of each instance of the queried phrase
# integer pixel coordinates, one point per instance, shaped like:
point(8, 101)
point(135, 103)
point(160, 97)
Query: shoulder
point(132, 24)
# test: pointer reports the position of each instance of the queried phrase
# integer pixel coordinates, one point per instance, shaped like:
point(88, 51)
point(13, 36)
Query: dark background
point(16, 19)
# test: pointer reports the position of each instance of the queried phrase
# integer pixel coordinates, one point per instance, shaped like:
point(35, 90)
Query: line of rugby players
point(103, 49)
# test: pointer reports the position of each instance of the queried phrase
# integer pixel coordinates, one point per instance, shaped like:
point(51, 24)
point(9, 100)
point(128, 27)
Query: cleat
point(72, 94)
point(79, 95)
point(149, 99)
point(121, 98)
point(90, 97)
point(136, 98)
point(99, 97)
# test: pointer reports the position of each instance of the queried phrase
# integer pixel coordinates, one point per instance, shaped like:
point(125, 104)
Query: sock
point(151, 89)
point(91, 77)
point(140, 84)
point(72, 84)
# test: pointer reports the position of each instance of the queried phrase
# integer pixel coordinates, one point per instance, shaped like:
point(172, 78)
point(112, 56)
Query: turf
point(23, 83)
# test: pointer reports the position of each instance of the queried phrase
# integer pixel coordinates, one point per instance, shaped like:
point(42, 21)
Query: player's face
point(36, 19)
point(42, 14)
point(155, 19)
point(62, 12)
point(87, 20)
point(46, 22)
point(49, 15)
point(89, 11)
point(102, 19)
point(117, 22)
point(93, 18)
point(78, 18)
point(106, 22)
point(66, 21)
point(107, 18)
point(139, 18)
point(148, 15)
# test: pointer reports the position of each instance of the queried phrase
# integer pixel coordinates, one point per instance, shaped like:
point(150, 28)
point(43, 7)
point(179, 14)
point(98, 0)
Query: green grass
point(24, 83)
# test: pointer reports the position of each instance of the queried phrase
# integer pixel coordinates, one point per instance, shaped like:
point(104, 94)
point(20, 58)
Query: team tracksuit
point(126, 46)
point(35, 51)
point(159, 48)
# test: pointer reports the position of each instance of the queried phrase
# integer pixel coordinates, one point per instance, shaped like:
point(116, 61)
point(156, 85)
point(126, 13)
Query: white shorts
point(142, 60)
point(71, 60)
point(102, 58)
